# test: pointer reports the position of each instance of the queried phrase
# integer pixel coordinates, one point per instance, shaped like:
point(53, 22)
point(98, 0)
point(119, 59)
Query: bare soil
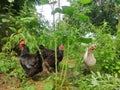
point(12, 83)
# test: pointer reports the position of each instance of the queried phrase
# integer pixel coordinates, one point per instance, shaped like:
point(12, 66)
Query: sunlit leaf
point(5, 20)
point(106, 67)
point(10, 1)
point(13, 29)
point(94, 81)
point(20, 30)
point(82, 17)
point(27, 19)
point(117, 67)
point(30, 88)
point(44, 1)
point(76, 73)
point(48, 86)
point(85, 1)
point(71, 66)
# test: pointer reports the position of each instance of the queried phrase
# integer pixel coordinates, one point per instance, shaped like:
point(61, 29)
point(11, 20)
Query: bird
point(31, 63)
point(89, 59)
point(45, 52)
point(49, 61)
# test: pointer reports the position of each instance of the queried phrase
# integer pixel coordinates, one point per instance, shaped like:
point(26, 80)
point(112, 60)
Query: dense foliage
point(85, 22)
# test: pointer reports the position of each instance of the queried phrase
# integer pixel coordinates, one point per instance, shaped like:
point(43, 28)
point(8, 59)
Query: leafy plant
point(106, 51)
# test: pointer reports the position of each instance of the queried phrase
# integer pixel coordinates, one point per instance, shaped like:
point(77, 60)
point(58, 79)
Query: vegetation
point(85, 22)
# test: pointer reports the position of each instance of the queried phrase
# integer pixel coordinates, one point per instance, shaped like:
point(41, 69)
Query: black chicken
point(49, 56)
point(45, 51)
point(31, 63)
point(17, 50)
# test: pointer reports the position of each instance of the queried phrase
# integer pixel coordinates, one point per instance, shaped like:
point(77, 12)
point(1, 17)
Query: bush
point(106, 51)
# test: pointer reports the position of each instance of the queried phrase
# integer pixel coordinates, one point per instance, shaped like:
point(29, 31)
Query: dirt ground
point(12, 83)
point(7, 83)
point(37, 82)
point(4, 85)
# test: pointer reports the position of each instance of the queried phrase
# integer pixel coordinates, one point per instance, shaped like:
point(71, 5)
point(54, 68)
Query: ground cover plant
point(85, 23)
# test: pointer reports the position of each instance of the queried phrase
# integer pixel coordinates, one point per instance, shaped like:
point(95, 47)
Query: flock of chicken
point(33, 63)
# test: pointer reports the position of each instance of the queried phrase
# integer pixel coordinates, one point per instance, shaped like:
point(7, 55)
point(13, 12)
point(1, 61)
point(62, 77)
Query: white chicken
point(89, 59)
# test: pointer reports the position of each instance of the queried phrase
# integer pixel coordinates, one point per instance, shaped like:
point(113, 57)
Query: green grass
point(68, 78)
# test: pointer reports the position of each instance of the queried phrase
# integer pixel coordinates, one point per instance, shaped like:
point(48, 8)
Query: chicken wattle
point(31, 63)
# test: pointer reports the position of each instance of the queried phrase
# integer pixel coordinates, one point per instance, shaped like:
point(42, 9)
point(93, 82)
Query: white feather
point(89, 58)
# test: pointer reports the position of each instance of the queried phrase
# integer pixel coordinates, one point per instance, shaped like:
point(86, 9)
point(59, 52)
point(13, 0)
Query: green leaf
point(57, 10)
point(30, 88)
point(94, 81)
point(76, 73)
point(117, 67)
point(106, 67)
point(85, 1)
point(67, 10)
point(44, 1)
point(5, 20)
point(82, 17)
point(48, 86)
point(13, 29)
point(71, 66)
point(85, 40)
point(27, 19)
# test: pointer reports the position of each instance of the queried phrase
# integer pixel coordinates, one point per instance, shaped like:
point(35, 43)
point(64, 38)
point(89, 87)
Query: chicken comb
point(22, 42)
point(61, 47)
